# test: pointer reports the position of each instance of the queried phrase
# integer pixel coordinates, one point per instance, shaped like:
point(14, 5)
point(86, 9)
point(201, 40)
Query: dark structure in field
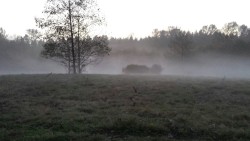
point(142, 69)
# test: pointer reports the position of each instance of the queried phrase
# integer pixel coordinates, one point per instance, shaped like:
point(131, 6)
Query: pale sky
point(136, 17)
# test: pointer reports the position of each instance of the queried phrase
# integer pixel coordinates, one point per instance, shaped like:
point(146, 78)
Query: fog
point(209, 64)
point(215, 65)
point(31, 66)
point(209, 52)
point(26, 60)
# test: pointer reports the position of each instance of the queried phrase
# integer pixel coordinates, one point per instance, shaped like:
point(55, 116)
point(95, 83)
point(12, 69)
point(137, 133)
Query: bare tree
point(66, 20)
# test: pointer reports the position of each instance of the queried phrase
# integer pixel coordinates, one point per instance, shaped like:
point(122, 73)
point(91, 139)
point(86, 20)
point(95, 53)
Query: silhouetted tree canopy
point(67, 24)
point(175, 43)
point(93, 50)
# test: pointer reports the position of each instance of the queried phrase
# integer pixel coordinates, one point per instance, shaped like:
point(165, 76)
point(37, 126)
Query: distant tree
point(3, 35)
point(156, 33)
point(179, 41)
point(33, 37)
point(3, 38)
point(243, 31)
point(33, 34)
point(231, 28)
point(209, 30)
point(67, 23)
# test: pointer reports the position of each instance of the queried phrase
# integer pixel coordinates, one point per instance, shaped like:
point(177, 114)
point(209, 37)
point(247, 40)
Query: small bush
point(136, 69)
point(142, 69)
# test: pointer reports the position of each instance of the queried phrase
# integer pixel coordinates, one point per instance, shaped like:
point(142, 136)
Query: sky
point(136, 17)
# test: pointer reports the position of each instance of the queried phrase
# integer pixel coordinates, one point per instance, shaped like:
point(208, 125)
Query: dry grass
point(106, 107)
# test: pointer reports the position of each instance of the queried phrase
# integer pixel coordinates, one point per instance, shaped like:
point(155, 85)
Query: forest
point(24, 54)
point(231, 39)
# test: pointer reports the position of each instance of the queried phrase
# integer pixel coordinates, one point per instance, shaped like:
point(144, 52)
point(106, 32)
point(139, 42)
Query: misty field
point(120, 107)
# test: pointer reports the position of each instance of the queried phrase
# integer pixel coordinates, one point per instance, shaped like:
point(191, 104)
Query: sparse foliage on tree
point(92, 51)
point(67, 24)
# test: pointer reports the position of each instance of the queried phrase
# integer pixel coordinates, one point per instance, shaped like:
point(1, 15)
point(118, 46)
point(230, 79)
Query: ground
point(119, 107)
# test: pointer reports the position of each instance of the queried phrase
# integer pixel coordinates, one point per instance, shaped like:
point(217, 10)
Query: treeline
point(26, 46)
point(22, 54)
point(232, 39)
point(31, 54)
point(173, 43)
point(30, 39)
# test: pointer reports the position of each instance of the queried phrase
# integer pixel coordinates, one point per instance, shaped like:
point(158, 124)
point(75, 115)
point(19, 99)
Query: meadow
point(57, 107)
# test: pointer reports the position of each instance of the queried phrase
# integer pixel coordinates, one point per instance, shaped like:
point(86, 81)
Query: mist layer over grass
point(120, 107)
point(210, 64)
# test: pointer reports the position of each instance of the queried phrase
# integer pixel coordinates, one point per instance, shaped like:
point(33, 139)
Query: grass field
point(106, 108)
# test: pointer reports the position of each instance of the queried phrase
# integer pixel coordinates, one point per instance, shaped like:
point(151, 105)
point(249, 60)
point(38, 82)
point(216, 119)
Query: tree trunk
point(79, 50)
point(69, 64)
point(72, 39)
